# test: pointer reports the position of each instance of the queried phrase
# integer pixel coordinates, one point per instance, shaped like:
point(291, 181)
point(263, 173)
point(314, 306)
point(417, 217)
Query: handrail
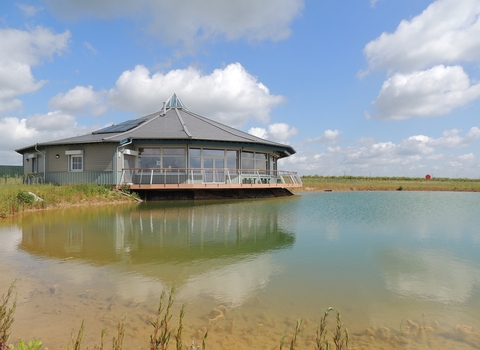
point(210, 176)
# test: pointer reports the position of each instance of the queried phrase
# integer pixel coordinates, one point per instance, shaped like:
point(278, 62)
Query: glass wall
point(164, 157)
point(212, 158)
point(204, 158)
point(255, 160)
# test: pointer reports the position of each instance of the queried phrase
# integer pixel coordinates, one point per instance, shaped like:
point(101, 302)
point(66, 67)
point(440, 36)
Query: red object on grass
point(428, 176)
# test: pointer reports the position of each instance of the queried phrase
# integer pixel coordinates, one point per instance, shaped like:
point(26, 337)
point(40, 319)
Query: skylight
point(175, 102)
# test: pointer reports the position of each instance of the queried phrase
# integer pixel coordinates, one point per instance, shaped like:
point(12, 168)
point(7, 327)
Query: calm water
point(403, 268)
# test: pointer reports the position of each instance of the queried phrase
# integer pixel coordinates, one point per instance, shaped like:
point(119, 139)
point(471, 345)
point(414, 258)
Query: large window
point(173, 158)
point(212, 158)
point(254, 160)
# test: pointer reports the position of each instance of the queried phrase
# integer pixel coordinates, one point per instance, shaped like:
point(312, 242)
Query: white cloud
point(20, 51)
point(281, 132)
point(278, 132)
point(259, 132)
point(18, 133)
point(413, 156)
point(28, 10)
point(52, 122)
point(451, 139)
point(191, 22)
point(423, 58)
point(432, 92)
point(328, 136)
point(230, 95)
point(415, 145)
point(448, 31)
point(467, 157)
point(90, 48)
point(80, 100)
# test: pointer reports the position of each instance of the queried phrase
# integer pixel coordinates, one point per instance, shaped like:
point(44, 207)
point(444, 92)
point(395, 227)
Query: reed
point(118, 341)
point(320, 340)
point(161, 334)
point(6, 316)
point(340, 337)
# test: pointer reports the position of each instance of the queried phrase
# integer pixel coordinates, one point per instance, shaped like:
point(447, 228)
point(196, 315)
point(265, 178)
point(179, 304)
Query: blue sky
point(364, 87)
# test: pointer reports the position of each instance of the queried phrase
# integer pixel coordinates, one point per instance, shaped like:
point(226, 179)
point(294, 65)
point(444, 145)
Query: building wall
point(96, 157)
point(33, 163)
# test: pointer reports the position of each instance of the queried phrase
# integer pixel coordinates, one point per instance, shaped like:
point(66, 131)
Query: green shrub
point(25, 197)
point(31, 345)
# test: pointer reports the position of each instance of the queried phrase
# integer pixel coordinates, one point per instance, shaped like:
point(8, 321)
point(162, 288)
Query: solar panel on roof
point(122, 127)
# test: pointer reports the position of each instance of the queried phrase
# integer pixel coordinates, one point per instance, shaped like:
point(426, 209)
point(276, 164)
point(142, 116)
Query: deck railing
point(207, 177)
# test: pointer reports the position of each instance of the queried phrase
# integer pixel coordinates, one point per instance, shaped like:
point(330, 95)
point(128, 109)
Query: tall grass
point(341, 339)
point(16, 198)
point(6, 316)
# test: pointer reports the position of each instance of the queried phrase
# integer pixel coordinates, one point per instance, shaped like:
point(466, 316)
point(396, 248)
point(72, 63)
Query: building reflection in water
point(218, 249)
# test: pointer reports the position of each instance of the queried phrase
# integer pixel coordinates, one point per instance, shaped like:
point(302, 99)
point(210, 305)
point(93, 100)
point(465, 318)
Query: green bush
point(25, 197)
point(31, 345)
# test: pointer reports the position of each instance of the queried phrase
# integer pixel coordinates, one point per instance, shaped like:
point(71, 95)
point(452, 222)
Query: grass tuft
point(6, 316)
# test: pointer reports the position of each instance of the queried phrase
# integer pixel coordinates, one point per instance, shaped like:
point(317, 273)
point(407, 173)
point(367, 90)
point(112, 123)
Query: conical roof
point(175, 123)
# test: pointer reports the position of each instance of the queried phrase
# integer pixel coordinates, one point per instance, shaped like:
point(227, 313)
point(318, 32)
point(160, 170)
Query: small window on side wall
point(75, 160)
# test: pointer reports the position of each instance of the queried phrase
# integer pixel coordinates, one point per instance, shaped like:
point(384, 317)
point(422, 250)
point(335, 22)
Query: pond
point(403, 268)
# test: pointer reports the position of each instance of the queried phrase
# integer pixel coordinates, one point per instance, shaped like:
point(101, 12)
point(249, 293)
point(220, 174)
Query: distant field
point(359, 183)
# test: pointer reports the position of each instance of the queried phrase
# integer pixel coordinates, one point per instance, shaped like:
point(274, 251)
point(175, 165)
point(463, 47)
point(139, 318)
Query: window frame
point(72, 164)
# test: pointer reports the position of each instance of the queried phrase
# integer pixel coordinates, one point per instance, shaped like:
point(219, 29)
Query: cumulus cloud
point(281, 132)
point(20, 51)
point(259, 132)
point(80, 100)
point(448, 31)
point(412, 156)
point(278, 132)
point(432, 92)
point(18, 133)
point(423, 58)
point(191, 22)
point(452, 139)
point(28, 10)
point(414, 145)
point(52, 122)
point(230, 95)
point(328, 136)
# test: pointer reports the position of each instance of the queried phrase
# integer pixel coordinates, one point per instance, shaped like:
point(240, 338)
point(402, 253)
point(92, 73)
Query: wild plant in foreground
point(31, 345)
point(321, 343)
point(6, 316)
point(161, 333)
point(118, 341)
point(340, 341)
point(78, 342)
point(178, 337)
